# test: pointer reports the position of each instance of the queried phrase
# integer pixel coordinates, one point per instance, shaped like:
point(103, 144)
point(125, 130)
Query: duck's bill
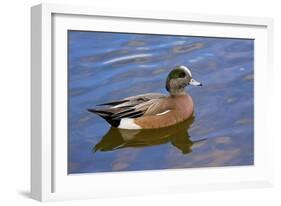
point(195, 83)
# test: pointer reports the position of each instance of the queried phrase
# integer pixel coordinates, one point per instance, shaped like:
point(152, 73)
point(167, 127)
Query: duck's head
point(178, 79)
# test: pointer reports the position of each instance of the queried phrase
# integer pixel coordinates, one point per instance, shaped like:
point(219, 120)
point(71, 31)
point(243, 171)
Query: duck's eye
point(182, 74)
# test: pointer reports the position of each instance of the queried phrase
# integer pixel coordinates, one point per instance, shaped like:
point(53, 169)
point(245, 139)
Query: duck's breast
point(181, 108)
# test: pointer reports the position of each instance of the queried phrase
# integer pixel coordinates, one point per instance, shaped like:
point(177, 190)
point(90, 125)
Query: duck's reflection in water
point(177, 135)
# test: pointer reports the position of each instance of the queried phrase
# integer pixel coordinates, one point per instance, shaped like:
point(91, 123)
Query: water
point(109, 66)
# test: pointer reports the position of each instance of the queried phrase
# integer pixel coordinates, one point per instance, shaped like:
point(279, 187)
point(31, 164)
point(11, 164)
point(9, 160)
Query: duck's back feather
point(130, 107)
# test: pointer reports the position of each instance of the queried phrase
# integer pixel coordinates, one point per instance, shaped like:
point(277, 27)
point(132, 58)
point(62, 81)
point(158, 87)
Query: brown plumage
point(177, 108)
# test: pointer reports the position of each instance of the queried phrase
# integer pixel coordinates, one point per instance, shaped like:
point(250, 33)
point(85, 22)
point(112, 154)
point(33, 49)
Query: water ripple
point(127, 58)
point(105, 66)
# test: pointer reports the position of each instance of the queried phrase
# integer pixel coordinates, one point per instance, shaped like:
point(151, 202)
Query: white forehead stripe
point(187, 70)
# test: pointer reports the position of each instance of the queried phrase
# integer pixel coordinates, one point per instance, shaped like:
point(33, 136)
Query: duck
point(152, 110)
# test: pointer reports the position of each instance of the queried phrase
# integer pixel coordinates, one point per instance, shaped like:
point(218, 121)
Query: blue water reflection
point(107, 66)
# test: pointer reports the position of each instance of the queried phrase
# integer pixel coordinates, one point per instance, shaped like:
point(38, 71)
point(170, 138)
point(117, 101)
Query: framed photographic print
point(136, 102)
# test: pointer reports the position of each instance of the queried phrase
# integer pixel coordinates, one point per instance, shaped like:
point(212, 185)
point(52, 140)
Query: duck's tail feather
point(100, 112)
point(107, 116)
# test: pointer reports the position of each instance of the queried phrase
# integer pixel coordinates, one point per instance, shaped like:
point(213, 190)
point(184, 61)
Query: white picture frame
point(49, 179)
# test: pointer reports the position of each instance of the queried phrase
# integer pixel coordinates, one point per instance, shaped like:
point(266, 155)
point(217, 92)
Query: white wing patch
point(128, 123)
point(165, 112)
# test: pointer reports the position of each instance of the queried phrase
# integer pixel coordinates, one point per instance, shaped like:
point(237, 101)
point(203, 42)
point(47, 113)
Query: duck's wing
point(133, 100)
point(131, 107)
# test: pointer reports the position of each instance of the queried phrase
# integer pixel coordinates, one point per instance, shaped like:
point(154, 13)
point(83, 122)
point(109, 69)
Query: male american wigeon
point(153, 110)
